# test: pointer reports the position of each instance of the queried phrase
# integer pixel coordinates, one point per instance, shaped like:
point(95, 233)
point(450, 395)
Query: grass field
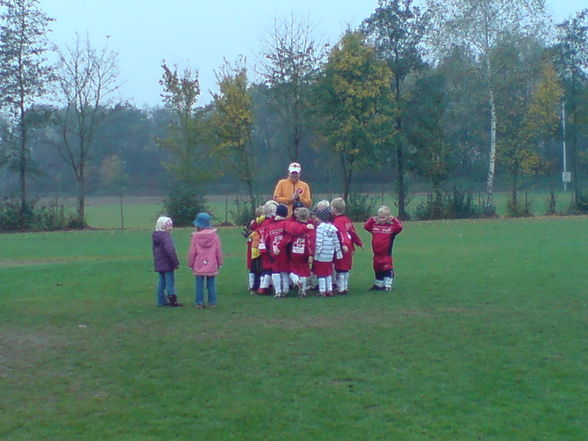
point(483, 338)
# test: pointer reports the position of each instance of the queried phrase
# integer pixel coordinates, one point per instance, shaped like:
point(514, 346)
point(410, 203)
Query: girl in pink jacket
point(205, 257)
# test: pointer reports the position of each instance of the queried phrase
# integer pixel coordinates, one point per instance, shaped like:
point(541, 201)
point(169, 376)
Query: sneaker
point(376, 288)
point(278, 295)
point(200, 306)
point(252, 292)
point(388, 288)
point(328, 294)
point(342, 293)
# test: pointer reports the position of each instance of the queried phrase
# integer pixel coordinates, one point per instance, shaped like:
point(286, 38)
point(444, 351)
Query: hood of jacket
point(205, 238)
point(159, 237)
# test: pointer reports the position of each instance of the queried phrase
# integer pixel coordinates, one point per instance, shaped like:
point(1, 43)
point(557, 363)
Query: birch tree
point(481, 25)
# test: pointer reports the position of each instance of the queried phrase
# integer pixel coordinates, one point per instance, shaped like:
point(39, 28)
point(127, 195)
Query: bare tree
point(290, 59)
point(88, 80)
point(24, 74)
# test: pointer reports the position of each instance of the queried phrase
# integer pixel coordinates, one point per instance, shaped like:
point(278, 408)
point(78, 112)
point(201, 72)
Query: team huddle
point(287, 246)
point(314, 249)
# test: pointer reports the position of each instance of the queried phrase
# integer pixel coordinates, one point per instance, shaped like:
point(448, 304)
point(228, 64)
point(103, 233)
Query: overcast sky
point(200, 34)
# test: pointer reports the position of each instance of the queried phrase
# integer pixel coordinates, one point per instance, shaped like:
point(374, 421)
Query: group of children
point(306, 250)
point(287, 251)
point(205, 258)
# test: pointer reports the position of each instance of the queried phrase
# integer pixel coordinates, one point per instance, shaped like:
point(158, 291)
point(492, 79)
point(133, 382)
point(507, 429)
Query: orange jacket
point(285, 188)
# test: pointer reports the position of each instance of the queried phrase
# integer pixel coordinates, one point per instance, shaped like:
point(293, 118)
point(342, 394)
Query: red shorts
point(345, 263)
point(322, 269)
point(300, 267)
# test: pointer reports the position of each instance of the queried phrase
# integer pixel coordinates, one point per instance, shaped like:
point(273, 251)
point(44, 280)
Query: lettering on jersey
point(298, 247)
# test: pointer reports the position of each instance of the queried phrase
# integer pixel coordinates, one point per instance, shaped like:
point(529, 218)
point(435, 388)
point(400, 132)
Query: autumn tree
point(24, 76)
point(88, 81)
point(232, 123)
point(425, 132)
point(291, 59)
point(190, 166)
point(481, 25)
point(356, 105)
point(397, 29)
point(528, 95)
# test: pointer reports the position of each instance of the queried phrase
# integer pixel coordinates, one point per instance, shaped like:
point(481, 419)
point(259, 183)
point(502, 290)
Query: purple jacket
point(205, 255)
point(164, 253)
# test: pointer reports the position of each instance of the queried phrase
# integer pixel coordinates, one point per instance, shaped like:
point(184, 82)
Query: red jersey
point(276, 247)
point(348, 238)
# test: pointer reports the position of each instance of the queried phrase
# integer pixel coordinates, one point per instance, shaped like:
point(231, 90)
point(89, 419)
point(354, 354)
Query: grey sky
point(201, 34)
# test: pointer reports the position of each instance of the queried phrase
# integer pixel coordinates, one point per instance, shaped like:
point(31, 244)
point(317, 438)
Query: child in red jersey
point(300, 235)
point(276, 248)
point(349, 239)
point(384, 228)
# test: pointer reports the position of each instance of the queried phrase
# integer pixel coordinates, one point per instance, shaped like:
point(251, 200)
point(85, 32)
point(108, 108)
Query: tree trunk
point(400, 159)
point(489, 208)
point(82, 198)
point(22, 168)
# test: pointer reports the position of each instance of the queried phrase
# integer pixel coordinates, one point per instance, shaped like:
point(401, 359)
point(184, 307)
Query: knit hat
point(281, 210)
point(324, 214)
point(297, 204)
point(202, 220)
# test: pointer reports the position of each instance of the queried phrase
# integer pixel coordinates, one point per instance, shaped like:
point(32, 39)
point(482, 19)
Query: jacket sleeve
point(170, 250)
point(318, 244)
point(369, 224)
point(396, 225)
point(191, 252)
point(279, 193)
point(219, 251)
point(355, 237)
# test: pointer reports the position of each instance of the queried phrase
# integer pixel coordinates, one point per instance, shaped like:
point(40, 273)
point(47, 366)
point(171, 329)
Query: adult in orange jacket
point(292, 189)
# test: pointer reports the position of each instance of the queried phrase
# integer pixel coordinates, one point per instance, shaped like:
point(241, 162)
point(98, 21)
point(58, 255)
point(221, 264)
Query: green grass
point(483, 338)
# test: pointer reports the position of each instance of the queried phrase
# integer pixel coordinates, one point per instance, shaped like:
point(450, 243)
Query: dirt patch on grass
point(26, 351)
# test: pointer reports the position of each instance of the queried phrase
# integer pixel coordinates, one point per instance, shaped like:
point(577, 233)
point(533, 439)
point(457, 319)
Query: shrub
point(38, 217)
point(182, 204)
point(518, 208)
point(449, 205)
point(579, 206)
point(242, 212)
point(359, 207)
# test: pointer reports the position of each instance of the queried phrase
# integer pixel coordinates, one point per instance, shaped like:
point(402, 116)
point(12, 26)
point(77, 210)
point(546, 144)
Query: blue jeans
point(210, 287)
point(166, 282)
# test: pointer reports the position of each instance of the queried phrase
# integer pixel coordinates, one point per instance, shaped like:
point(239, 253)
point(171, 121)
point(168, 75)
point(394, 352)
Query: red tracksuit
point(382, 241)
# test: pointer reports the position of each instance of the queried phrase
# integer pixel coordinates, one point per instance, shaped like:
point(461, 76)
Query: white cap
point(294, 168)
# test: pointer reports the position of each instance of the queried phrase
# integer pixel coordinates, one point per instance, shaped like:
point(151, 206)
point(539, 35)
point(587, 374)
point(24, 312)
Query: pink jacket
point(205, 255)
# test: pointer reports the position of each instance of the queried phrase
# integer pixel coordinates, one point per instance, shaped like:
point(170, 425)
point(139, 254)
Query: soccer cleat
point(328, 294)
point(376, 288)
